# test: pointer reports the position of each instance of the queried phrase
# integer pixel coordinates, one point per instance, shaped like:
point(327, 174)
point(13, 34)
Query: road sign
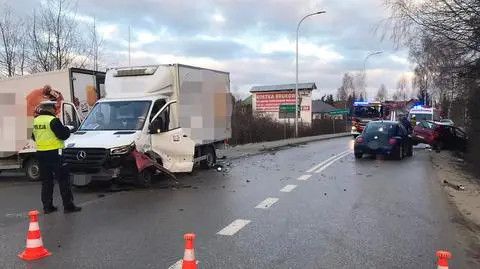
point(288, 108)
point(339, 111)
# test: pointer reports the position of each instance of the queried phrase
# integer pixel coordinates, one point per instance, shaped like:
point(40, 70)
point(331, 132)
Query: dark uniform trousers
point(52, 166)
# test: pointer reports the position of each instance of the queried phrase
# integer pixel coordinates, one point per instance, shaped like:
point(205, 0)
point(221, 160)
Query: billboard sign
point(270, 102)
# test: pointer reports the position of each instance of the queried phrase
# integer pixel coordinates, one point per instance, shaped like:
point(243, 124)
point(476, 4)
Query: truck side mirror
point(71, 128)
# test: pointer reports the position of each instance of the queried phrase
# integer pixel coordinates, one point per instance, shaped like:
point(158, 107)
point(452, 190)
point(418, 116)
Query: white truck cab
point(176, 114)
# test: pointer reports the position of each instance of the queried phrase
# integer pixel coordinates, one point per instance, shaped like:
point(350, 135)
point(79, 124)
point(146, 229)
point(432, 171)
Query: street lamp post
point(365, 64)
point(296, 70)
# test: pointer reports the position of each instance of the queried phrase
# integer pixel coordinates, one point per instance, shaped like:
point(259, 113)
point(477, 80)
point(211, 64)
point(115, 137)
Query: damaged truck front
point(175, 114)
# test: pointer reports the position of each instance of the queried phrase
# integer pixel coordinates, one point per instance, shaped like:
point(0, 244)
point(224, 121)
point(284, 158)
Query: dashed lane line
point(267, 203)
point(326, 161)
point(304, 177)
point(234, 227)
point(332, 162)
point(288, 188)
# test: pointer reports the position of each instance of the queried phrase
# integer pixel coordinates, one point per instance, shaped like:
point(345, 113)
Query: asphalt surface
point(368, 213)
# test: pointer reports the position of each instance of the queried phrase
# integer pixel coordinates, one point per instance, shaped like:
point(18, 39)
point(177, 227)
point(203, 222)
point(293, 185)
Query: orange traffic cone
point(189, 261)
point(443, 257)
point(34, 249)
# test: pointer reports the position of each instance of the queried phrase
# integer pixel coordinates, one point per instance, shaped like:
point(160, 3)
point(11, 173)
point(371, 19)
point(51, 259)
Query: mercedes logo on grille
point(81, 155)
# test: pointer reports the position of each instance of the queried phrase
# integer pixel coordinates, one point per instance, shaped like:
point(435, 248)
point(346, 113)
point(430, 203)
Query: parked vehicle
point(447, 121)
point(73, 89)
point(385, 138)
point(424, 113)
point(440, 136)
point(175, 114)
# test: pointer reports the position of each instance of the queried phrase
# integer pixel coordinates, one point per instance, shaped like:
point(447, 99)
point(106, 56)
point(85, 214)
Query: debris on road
point(455, 186)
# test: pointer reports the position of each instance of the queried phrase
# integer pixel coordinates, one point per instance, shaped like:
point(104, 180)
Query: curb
point(267, 149)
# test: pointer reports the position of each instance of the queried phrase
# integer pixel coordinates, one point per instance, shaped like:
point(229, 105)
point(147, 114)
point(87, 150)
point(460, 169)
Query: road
point(365, 213)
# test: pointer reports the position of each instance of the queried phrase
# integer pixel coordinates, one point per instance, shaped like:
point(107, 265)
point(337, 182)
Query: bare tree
point(55, 40)
point(382, 93)
point(12, 45)
point(360, 85)
point(348, 84)
point(342, 94)
point(401, 92)
point(96, 46)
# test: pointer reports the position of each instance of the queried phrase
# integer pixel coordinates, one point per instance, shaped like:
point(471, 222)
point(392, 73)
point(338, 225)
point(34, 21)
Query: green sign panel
point(288, 108)
point(339, 111)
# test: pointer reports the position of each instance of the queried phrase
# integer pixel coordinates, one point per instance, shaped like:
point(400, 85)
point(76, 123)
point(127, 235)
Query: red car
point(439, 136)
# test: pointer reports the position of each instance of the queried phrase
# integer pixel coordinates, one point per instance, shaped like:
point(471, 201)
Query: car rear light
point(359, 140)
point(392, 141)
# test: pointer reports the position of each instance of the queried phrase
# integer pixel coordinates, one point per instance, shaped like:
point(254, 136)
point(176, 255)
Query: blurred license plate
point(373, 144)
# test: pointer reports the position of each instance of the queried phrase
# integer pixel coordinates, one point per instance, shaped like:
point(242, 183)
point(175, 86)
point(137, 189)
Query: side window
point(401, 130)
point(156, 107)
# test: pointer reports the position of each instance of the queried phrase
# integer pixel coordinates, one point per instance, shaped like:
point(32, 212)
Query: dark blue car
point(384, 138)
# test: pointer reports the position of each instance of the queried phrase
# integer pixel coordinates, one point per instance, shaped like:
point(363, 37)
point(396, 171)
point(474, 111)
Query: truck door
point(70, 115)
point(169, 140)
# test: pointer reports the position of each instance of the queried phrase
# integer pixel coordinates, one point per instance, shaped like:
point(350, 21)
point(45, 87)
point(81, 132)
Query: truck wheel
point(145, 178)
point(32, 168)
point(208, 151)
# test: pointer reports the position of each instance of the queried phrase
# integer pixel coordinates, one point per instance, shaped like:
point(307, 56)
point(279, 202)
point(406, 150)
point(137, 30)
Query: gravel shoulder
point(453, 177)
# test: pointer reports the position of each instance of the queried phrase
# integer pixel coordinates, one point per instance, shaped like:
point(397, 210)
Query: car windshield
point(429, 124)
point(380, 127)
point(117, 115)
point(421, 116)
point(366, 111)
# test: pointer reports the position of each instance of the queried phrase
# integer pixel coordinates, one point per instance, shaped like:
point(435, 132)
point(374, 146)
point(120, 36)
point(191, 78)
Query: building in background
point(278, 101)
point(320, 110)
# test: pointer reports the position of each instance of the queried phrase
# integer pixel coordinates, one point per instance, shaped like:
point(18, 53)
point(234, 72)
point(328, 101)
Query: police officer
point(49, 134)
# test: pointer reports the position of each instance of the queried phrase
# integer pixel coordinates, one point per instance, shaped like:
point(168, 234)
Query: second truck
point(176, 114)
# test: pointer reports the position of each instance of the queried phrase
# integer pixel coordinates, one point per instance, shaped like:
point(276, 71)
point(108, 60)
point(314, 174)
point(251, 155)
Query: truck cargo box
point(203, 96)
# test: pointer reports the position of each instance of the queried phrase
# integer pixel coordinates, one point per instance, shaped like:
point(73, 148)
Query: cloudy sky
point(254, 40)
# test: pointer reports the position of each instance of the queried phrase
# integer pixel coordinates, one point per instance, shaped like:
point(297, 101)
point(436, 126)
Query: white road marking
point(177, 265)
point(304, 177)
point(267, 203)
point(288, 188)
point(234, 227)
point(326, 161)
point(331, 162)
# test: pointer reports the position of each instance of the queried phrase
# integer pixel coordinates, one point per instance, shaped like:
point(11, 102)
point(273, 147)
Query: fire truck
point(362, 112)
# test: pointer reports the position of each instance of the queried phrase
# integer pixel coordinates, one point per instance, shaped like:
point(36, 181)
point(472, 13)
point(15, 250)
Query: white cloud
point(109, 31)
point(218, 17)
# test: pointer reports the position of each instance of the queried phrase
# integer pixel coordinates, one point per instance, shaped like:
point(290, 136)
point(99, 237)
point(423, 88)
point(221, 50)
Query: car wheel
point(208, 163)
point(32, 167)
point(399, 153)
point(145, 178)
point(410, 151)
point(358, 155)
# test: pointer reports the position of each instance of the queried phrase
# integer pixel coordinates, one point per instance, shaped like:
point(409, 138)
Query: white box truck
point(176, 114)
point(73, 89)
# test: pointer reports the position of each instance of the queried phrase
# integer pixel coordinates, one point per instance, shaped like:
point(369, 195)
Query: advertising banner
point(270, 102)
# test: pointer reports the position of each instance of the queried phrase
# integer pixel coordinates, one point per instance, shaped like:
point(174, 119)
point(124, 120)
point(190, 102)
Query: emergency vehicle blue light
point(418, 107)
point(361, 103)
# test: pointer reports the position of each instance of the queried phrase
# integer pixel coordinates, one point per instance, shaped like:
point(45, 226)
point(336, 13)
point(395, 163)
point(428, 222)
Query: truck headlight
point(122, 150)
point(354, 128)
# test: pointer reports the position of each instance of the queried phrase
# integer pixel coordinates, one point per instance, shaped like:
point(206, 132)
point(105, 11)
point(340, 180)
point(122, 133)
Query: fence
point(248, 127)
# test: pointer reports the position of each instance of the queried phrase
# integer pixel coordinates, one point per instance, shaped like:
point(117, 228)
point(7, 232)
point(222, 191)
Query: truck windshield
point(366, 111)
point(117, 115)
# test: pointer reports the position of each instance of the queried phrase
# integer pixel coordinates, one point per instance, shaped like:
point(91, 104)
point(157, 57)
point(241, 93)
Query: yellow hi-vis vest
point(45, 138)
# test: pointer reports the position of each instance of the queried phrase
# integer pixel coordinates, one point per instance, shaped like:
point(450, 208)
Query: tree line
point(49, 38)
point(353, 89)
